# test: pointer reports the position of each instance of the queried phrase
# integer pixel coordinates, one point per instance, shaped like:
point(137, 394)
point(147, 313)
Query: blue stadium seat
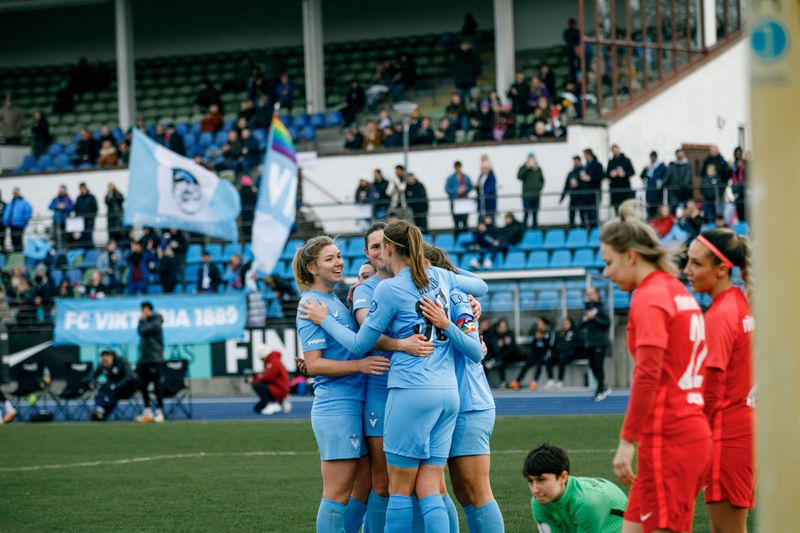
point(574, 299)
point(502, 302)
point(463, 240)
point(527, 301)
point(71, 149)
point(179, 288)
point(308, 133)
point(446, 242)
point(532, 240)
point(221, 138)
point(427, 237)
point(317, 120)
point(190, 279)
point(290, 248)
point(300, 121)
point(598, 261)
point(62, 161)
point(502, 286)
point(260, 135)
point(248, 252)
point(741, 228)
point(274, 310)
point(44, 161)
point(554, 239)
point(584, 258)
point(353, 247)
point(577, 238)
point(561, 259)
point(215, 250)
point(549, 300)
point(230, 250)
point(206, 139)
point(514, 261)
point(352, 266)
point(56, 276)
point(189, 140)
point(194, 253)
point(622, 299)
point(29, 162)
point(467, 258)
point(75, 257)
point(91, 257)
point(155, 288)
point(74, 276)
point(333, 119)
point(538, 259)
point(56, 149)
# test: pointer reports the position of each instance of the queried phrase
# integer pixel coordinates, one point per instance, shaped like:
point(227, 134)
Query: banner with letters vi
point(190, 319)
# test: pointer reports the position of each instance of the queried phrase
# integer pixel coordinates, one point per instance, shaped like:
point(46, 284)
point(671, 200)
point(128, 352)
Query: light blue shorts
point(339, 436)
point(374, 413)
point(473, 433)
point(419, 425)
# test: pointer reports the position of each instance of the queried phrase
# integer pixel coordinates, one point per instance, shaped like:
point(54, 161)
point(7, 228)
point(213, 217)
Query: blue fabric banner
point(166, 190)
point(191, 319)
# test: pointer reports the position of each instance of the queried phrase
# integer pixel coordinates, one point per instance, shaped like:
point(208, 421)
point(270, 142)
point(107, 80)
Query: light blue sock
point(452, 513)
point(375, 519)
point(330, 517)
point(488, 518)
point(354, 516)
point(399, 514)
point(469, 511)
point(417, 524)
point(434, 514)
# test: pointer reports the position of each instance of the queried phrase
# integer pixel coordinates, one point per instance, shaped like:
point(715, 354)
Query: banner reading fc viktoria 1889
point(191, 319)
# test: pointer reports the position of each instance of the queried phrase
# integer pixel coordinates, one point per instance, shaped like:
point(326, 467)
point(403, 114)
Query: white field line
point(201, 455)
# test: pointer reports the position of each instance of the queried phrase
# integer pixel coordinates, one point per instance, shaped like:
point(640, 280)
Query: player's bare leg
point(470, 477)
point(363, 480)
point(725, 518)
point(338, 478)
point(377, 461)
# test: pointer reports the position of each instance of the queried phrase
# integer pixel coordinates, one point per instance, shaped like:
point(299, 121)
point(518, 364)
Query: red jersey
point(666, 319)
point(729, 328)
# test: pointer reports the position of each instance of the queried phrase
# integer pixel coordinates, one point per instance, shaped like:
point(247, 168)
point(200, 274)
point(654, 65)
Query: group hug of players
point(400, 392)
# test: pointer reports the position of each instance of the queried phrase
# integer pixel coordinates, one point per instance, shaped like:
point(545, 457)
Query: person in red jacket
point(730, 478)
point(272, 385)
point(666, 337)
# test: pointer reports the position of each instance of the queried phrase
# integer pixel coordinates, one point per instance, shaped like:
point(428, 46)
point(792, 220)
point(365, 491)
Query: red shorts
point(668, 479)
point(731, 473)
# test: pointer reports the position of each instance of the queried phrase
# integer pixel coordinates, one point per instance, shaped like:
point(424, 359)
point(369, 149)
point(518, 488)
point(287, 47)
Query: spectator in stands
point(151, 359)
point(41, 134)
point(233, 276)
point(108, 155)
point(246, 110)
point(114, 378)
point(393, 136)
point(11, 120)
point(212, 121)
point(272, 385)
point(16, 216)
point(364, 196)
point(207, 96)
point(86, 207)
point(721, 166)
point(518, 94)
point(248, 196)
point(548, 77)
point(105, 135)
point(208, 276)
point(24, 300)
point(110, 266)
point(353, 140)
point(251, 151)
point(487, 189)
point(446, 133)
point(466, 69)
point(65, 289)
point(690, 220)
point(739, 182)
point(373, 137)
point(572, 189)
point(405, 76)
point(168, 266)
point(483, 122)
point(382, 199)
point(502, 349)
point(567, 347)
point(663, 221)
point(532, 178)
point(678, 181)
point(469, 30)
point(513, 232)
point(124, 153)
point(263, 115)
point(457, 112)
point(590, 182)
point(595, 325)
point(61, 206)
point(140, 262)
point(572, 40)
point(174, 141)
point(232, 153)
point(87, 150)
point(458, 186)
point(619, 172)
point(539, 357)
point(114, 205)
point(396, 187)
point(95, 288)
point(424, 135)
point(379, 85)
point(503, 122)
point(284, 92)
point(654, 175)
point(354, 100)
point(536, 90)
point(485, 243)
point(417, 201)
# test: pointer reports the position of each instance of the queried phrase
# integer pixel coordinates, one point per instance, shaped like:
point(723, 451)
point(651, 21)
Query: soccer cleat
point(559, 385)
point(146, 416)
point(514, 385)
point(271, 409)
point(10, 415)
point(502, 385)
point(287, 405)
point(159, 418)
point(532, 385)
point(551, 384)
point(602, 395)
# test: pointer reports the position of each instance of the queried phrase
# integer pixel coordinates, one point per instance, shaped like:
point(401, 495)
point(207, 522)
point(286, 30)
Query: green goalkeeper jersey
point(588, 505)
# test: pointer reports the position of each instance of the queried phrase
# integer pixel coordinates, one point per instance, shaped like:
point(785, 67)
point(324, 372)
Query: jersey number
point(691, 378)
point(427, 328)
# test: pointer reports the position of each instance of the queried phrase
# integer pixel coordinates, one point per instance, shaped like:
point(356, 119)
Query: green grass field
point(231, 476)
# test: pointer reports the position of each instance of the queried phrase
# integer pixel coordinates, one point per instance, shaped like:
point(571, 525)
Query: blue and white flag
point(166, 190)
point(277, 196)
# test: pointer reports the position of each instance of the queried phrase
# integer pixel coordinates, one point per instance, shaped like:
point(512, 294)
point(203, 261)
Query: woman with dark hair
point(503, 350)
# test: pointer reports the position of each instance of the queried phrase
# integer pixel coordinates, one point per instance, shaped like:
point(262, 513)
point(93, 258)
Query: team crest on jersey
point(373, 307)
point(355, 441)
point(373, 420)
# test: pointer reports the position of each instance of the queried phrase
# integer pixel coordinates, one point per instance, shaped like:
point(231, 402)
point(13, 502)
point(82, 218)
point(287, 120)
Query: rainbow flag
point(277, 196)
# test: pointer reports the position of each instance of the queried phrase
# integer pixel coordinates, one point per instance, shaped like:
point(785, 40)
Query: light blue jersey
point(332, 396)
point(362, 299)
point(473, 388)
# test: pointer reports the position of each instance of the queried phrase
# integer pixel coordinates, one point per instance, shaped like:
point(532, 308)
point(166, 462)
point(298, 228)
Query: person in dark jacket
point(174, 141)
point(382, 200)
point(61, 206)
point(354, 102)
point(86, 207)
point(151, 359)
point(115, 380)
point(114, 204)
point(589, 188)
point(654, 175)
point(678, 181)
point(532, 178)
point(167, 266)
point(41, 134)
point(571, 189)
point(458, 186)
point(619, 172)
point(466, 69)
point(16, 216)
point(272, 385)
point(417, 201)
point(248, 196)
point(87, 149)
point(595, 325)
point(140, 263)
point(518, 94)
point(567, 347)
point(501, 345)
point(540, 356)
point(208, 276)
point(513, 232)
point(739, 182)
point(487, 189)
point(716, 159)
